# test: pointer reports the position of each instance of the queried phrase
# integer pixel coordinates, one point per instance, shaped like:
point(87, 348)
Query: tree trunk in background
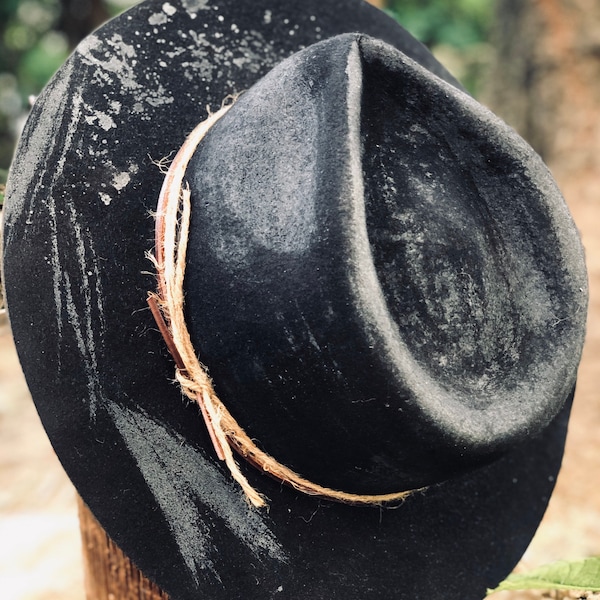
point(109, 574)
point(79, 17)
point(546, 83)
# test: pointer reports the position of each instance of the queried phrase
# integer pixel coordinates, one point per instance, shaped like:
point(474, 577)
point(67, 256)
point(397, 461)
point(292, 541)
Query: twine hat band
point(166, 304)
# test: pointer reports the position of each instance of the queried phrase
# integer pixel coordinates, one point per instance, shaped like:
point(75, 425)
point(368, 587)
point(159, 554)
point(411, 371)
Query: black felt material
point(78, 224)
point(287, 240)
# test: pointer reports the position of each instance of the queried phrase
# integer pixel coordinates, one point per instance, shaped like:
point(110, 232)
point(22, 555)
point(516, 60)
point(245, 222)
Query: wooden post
point(109, 574)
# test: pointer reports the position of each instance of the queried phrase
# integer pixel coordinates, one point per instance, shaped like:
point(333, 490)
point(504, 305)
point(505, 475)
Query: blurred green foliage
point(30, 51)
point(458, 23)
point(36, 37)
point(457, 32)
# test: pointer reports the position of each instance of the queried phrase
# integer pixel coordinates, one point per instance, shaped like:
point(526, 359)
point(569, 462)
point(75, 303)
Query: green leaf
point(563, 575)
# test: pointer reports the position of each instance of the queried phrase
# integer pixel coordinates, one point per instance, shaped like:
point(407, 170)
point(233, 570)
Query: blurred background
point(534, 62)
point(38, 35)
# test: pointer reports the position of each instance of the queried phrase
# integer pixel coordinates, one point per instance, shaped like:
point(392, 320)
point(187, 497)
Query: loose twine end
point(166, 304)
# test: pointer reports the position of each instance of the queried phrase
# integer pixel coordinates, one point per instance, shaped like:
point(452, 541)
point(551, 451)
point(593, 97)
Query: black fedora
point(381, 278)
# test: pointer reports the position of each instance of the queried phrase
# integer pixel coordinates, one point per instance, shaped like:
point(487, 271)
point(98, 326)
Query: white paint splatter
point(106, 198)
point(103, 120)
point(120, 62)
point(176, 52)
point(169, 9)
point(159, 97)
point(120, 180)
point(157, 19)
point(193, 6)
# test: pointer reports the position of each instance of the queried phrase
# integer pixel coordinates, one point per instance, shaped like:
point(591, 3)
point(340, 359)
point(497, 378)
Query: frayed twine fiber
point(172, 226)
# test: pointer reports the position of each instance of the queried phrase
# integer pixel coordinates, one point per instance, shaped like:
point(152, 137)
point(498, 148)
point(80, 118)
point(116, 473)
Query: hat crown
point(405, 288)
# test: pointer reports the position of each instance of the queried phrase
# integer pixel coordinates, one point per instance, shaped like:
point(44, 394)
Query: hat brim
point(78, 223)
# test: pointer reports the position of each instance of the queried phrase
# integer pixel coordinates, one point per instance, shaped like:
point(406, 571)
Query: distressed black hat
point(381, 283)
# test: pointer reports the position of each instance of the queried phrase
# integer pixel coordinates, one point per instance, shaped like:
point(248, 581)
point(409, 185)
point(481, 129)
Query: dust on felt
point(180, 477)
